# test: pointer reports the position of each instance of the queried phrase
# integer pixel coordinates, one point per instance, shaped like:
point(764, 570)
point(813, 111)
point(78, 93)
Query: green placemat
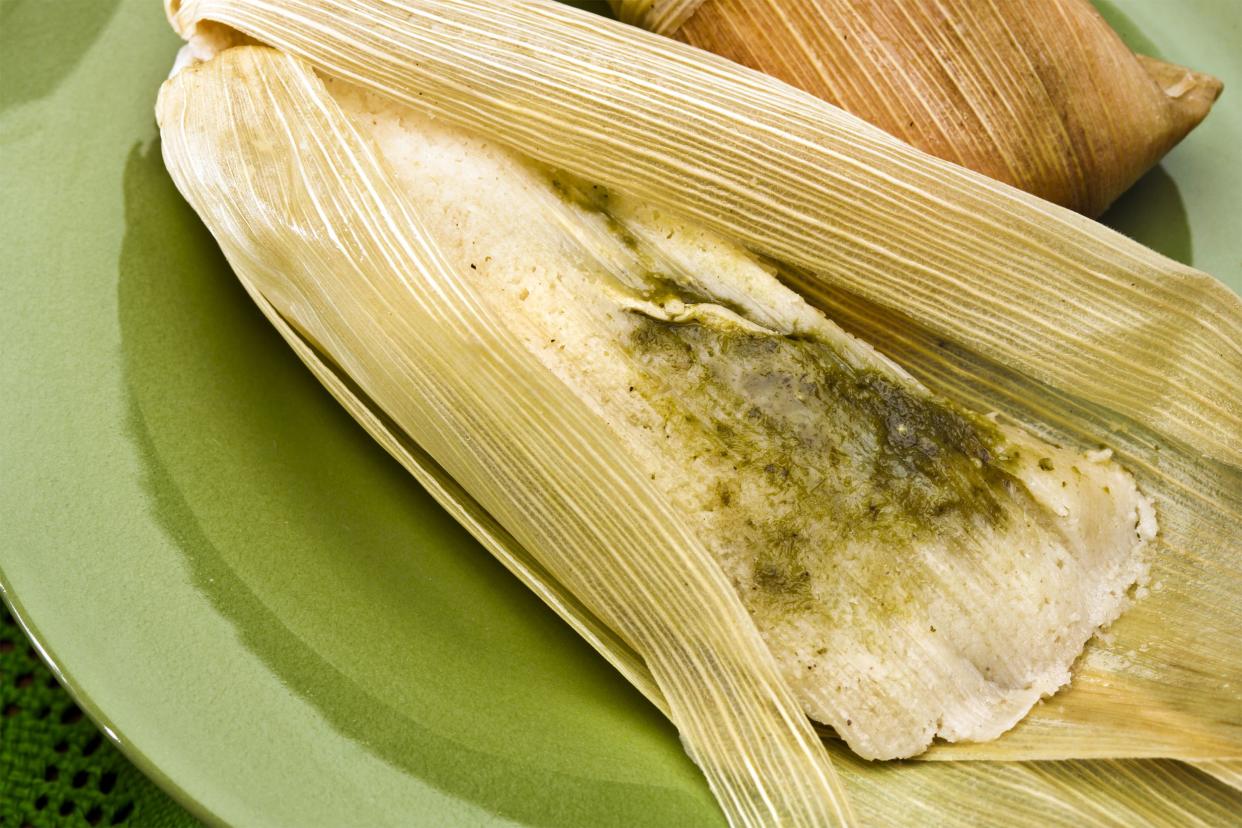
point(56, 768)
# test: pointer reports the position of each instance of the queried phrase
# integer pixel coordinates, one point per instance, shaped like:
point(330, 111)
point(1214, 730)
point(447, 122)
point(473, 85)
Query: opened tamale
point(648, 320)
point(1041, 95)
point(312, 223)
point(844, 502)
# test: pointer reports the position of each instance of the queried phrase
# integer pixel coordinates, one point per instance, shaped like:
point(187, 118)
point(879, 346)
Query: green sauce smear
point(825, 454)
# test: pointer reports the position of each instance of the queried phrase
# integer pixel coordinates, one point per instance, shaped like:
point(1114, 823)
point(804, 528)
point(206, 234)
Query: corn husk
point(290, 188)
point(1228, 772)
point(1053, 317)
point(768, 438)
point(271, 95)
point(1074, 117)
point(1078, 789)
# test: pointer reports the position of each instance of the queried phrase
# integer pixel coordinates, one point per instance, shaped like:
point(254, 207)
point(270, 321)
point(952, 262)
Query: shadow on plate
point(1152, 213)
point(1126, 28)
point(39, 47)
point(345, 577)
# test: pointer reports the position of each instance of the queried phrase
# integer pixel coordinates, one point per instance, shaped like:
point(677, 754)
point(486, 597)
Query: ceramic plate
point(267, 614)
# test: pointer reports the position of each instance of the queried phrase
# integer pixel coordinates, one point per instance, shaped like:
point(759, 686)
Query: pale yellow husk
point(660, 16)
point(232, 152)
point(942, 353)
point(309, 219)
point(1051, 317)
point(1228, 772)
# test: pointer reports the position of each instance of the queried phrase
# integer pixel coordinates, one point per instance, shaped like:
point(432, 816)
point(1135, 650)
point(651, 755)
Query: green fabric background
point(56, 768)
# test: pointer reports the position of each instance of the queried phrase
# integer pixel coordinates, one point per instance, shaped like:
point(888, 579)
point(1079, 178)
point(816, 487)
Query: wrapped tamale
point(1042, 95)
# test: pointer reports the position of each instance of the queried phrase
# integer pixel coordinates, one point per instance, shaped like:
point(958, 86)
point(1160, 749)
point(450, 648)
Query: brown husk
point(1044, 95)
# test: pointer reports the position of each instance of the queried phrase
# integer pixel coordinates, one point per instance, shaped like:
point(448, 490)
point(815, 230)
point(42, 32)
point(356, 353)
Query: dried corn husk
point(1043, 96)
point(241, 120)
point(1099, 339)
point(1078, 786)
point(1228, 772)
point(807, 462)
point(289, 187)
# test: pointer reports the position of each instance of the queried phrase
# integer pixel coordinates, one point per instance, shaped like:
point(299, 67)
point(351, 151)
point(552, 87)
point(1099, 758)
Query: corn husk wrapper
point(1043, 96)
point(290, 188)
point(1190, 786)
point(1228, 772)
point(1053, 318)
point(260, 148)
point(660, 16)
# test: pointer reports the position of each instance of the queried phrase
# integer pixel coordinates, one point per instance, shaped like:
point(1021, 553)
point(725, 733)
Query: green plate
point(265, 612)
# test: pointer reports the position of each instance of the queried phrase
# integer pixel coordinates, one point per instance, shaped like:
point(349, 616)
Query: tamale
point(310, 220)
point(1043, 96)
point(960, 794)
point(1048, 316)
point(916, 570)
point(380, 75)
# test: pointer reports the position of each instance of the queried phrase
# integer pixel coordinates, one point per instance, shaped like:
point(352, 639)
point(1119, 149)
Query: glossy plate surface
point(273, 619)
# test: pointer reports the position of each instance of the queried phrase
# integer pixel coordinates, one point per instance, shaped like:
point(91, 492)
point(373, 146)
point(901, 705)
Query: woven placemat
point(56, 768)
